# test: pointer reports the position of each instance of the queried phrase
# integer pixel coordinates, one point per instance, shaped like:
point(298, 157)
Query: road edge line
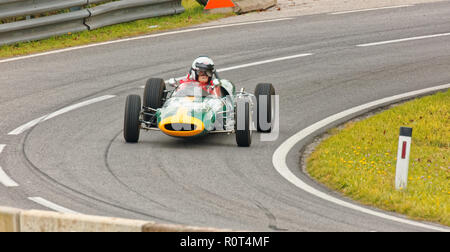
point(280, 155)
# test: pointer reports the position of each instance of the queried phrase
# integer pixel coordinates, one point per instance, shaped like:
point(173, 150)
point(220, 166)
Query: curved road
point(78, 159)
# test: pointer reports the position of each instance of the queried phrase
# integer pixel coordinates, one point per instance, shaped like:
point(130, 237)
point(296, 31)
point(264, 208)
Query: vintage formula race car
point(188, 110)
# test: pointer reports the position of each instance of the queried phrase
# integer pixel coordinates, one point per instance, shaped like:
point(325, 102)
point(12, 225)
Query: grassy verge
point(359, 159)
point(193, 15)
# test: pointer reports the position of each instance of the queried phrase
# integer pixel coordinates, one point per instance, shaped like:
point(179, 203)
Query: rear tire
point(154, 95)
point(131, 128)
point(263, 92)
point(242, 127)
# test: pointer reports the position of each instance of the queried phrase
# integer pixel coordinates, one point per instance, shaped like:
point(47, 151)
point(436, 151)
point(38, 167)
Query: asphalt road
point(80, 161)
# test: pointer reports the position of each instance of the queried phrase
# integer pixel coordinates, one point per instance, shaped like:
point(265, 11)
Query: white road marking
point(141, 37)
point(252, 64)
point(279, 157)
point(51, 205)
point(371, 9)
point(34, 122)
point(404, 40)
point(264, 62)
point(4, 178)
point(27, 126)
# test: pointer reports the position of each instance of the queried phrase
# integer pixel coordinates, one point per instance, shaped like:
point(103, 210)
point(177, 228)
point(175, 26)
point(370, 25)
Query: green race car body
point(190, 110)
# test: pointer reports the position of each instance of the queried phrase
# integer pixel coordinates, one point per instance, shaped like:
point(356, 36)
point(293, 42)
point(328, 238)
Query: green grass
point(359, 159)
point(193, 15)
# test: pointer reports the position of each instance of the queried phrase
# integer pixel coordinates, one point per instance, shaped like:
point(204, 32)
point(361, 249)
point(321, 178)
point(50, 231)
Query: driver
point(202, 72)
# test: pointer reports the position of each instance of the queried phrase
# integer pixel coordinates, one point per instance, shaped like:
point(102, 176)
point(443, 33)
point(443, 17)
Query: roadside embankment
point(358, 159)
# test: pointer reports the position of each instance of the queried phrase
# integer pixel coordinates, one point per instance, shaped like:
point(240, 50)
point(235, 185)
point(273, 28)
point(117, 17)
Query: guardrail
point(63, 20)
point(125, 11)
point(15, 8)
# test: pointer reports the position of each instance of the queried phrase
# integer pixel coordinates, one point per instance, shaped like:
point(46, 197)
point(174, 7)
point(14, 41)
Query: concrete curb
point(219, 10)
point(244, 6)
point(42, 221)
point(9, 219)
point(17, 220)
point(154, 227)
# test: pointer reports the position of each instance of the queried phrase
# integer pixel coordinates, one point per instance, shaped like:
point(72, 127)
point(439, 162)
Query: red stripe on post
point(404, 150)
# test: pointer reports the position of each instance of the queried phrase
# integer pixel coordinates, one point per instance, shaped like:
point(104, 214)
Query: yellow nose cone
point(181, 125)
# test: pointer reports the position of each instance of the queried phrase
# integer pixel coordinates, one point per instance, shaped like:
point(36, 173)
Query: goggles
point(204, 73)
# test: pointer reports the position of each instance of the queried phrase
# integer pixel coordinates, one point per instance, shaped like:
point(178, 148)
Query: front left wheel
point(131, 128)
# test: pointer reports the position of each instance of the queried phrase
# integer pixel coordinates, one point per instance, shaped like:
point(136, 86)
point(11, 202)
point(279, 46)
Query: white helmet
point(204, 64)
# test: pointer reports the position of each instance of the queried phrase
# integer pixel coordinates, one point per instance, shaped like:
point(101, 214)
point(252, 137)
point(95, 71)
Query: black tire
point(243, 134)
point(131, 129)
point(263, 92)
point(154, 95)
point(202, 2)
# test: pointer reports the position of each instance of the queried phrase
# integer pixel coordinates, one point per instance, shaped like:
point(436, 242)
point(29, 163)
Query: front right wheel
point(265, 101)
point(131, 128)
point(154, 94)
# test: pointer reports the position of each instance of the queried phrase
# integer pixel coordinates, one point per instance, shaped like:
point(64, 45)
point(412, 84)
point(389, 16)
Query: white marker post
point(404, 149)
